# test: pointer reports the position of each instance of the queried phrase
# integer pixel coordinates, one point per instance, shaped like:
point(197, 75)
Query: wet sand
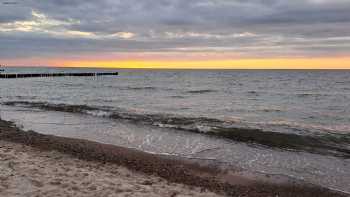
point(35, 164)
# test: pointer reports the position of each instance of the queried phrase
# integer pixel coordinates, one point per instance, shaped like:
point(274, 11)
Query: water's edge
point(173, 170)
point(328, 144)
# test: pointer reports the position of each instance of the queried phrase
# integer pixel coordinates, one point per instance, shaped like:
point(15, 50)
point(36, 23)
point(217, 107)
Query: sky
point(176, 33)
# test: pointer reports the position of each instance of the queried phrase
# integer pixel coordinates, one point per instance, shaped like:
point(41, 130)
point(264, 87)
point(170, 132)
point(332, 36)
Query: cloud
point(124, 35)
point(38, 23)
point(253, 28)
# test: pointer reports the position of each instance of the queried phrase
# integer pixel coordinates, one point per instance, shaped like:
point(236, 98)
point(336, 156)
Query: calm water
point(290, 123)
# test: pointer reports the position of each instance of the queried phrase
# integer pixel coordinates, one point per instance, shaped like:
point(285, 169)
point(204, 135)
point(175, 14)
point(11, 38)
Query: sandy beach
point(175, 98)
point(34, 164)
point(27, 171)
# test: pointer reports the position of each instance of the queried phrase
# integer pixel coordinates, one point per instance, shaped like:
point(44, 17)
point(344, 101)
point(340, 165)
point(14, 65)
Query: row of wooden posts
point(28, 75)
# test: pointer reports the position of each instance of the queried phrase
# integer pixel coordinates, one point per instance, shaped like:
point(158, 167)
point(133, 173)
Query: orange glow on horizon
point(270, 63)
point(283, 63)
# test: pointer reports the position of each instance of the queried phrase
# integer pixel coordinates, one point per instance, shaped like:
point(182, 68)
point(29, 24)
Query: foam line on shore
point(333, 144)
point(174, 170)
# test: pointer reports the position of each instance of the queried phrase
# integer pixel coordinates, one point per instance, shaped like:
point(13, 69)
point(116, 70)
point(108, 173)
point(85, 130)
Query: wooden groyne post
point(28, 75)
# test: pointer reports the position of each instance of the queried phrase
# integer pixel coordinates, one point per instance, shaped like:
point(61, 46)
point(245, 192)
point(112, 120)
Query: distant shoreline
point(170, 169)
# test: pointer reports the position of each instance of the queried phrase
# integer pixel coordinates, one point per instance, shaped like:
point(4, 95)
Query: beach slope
point(34, 164)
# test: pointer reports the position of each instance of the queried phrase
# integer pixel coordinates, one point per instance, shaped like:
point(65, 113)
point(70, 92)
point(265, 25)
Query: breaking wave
point(326, 143)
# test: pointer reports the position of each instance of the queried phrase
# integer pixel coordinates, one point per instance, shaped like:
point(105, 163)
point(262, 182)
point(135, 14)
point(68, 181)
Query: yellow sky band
point(282, 63)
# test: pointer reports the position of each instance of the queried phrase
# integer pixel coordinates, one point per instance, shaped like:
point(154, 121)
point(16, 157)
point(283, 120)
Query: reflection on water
point(281, 101)
point(305, 115)
point(323, 170)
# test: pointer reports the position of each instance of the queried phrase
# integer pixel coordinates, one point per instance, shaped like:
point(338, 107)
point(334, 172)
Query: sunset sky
point(176, 33)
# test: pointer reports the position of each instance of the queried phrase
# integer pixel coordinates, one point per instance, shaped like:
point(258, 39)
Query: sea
point(283, 123)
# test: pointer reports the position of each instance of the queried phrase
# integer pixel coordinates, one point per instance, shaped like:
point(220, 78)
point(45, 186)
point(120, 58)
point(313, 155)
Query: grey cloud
point(298, 26)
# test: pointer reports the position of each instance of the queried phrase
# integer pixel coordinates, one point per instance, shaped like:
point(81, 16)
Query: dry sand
point(27, 171)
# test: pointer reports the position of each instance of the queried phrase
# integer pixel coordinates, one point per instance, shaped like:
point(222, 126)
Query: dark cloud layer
point(253, 28)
